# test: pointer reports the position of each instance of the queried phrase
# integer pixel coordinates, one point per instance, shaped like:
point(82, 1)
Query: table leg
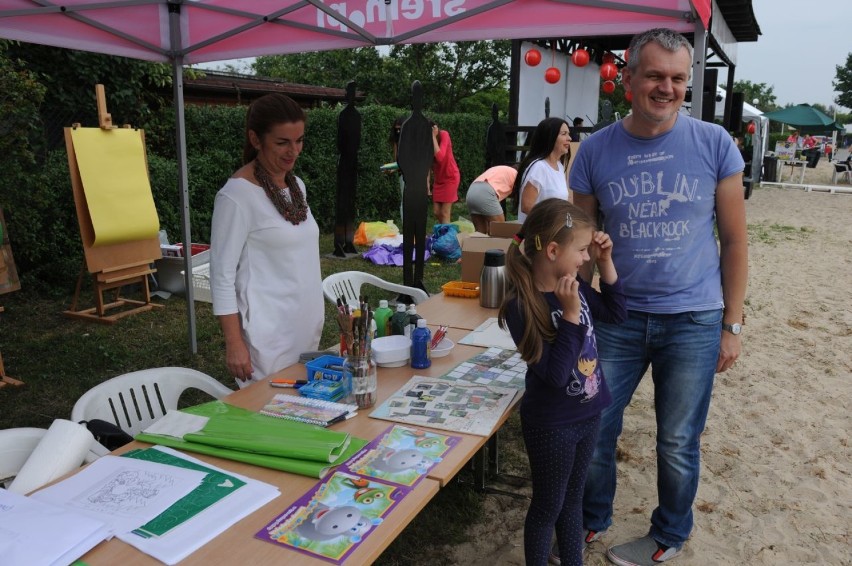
point(485, 467)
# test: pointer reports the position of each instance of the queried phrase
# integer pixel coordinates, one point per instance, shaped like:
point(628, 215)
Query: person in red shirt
point(445, 175)
point(809, 142)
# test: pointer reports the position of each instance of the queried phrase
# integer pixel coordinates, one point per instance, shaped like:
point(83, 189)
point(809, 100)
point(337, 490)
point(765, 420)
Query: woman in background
point(445, 176)
point(265, 271)
point(541, 174)
point(485, 194)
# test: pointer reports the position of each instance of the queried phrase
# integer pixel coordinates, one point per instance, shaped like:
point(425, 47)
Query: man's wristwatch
point(734, 328)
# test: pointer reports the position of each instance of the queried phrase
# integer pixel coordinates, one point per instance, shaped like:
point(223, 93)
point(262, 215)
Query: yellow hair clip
point(537, 243)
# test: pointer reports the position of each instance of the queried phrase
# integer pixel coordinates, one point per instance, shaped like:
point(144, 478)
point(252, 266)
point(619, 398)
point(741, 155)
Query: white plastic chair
point(134, 400)
point(16, 445)
point(841, 170)
point(347, 284)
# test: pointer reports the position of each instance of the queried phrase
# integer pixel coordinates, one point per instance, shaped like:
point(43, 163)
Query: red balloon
point(608, 87)
point(608, 58)
point(608, 71)
point(552, 75)
point(532, 57)
point(628, 96)
point(580, 57)
point(751, 128)
point(626, 53)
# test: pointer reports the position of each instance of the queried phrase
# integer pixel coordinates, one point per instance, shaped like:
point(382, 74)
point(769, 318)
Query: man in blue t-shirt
point(662, 182)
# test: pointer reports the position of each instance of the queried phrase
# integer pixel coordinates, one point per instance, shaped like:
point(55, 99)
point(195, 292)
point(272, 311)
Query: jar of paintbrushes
point(359, 370)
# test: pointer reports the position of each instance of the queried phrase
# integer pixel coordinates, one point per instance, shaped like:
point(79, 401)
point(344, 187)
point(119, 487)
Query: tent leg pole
point(183, 182)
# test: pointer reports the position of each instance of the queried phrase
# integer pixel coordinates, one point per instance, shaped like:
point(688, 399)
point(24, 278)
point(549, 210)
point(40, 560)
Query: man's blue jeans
point(682, 350)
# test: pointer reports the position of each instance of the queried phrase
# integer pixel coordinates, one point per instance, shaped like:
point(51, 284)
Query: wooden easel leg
point(99, 313)
point(100, 308)
point(5, 379)
point(78, 288)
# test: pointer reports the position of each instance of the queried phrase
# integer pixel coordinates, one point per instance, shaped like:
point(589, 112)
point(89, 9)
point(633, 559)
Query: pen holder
point(361, 373)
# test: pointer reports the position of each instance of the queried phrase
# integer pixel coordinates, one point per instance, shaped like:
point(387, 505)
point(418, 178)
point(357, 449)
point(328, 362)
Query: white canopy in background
point(749, 111)
point(749, 114)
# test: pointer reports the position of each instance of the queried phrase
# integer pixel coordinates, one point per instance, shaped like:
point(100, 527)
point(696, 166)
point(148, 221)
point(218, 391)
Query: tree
point(454, 72)
point(134, 89)
point(843, 83)
point(328, 68)
point(757, 91)
point(467, 75)
point(20, 98)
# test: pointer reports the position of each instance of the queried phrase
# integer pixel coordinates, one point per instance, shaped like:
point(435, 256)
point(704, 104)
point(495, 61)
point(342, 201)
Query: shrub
point(41, 212)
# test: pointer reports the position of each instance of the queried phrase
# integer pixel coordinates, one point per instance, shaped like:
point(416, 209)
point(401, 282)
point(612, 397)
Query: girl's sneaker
point(589, 538)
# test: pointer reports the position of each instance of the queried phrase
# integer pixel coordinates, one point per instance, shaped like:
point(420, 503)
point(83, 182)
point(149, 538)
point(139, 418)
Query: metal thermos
point(492, 279)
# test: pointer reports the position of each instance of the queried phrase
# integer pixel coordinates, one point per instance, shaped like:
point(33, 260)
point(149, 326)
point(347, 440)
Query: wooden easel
point(8, 282)
point(5, 379)
point(112, 266)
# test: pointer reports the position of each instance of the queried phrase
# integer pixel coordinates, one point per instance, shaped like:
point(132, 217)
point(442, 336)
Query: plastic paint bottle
point(421, 352)
point(399, 320)
point(381, 316)
point(413, 317)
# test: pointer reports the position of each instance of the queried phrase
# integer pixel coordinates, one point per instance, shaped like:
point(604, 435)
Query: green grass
point(59, 358)
point(772, 234)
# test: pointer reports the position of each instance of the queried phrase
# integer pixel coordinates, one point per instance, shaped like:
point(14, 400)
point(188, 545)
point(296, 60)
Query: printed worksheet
point(332, 519)
point(125, 493)
point(494, 366)
point(448, 405)
point(401, 455)
point(489, 335)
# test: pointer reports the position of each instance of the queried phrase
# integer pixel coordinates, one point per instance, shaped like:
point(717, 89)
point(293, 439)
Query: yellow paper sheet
point(115, 181)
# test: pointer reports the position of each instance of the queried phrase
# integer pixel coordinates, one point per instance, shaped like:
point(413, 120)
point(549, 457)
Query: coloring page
point(401, 455)
point(331, 519)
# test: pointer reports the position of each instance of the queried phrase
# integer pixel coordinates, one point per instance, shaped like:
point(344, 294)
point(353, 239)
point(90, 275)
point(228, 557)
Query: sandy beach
point(775, 485)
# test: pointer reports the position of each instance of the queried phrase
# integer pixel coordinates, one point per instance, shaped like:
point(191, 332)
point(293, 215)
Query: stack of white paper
point(112, 497)
point(122, 492)
point(191, 535)
point(489, 335)
point(34, 532)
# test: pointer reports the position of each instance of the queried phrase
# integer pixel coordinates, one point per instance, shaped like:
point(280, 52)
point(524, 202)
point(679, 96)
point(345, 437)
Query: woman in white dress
point(265, 269)
point(541, 175)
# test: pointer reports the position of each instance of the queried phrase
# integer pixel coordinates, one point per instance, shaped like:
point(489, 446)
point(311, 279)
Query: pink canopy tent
point(183, 32)
point(212, 30)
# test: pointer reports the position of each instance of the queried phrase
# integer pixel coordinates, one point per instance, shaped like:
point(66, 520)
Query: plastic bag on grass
point(367, 232)
point(445, 241)
point(464, 225)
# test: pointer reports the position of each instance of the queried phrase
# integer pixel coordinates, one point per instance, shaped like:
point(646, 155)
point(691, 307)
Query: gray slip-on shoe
point(641, 552)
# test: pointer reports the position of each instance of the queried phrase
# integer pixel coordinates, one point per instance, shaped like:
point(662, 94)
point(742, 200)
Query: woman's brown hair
point(266, 112)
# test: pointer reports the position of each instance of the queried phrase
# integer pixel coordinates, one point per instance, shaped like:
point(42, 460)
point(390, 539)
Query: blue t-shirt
point(658, 200)
point(567, 385)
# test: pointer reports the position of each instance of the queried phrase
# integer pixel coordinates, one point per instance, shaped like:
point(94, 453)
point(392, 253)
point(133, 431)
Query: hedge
point(40, 209)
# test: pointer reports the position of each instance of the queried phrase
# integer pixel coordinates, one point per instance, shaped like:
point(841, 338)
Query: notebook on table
point(307, 410)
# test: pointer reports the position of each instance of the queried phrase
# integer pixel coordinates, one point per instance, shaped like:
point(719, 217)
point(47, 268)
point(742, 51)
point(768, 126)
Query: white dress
point(267, 270)
point(550, 182)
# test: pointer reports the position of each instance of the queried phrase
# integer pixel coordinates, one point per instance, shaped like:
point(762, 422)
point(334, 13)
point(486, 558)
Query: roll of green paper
point(246, 436)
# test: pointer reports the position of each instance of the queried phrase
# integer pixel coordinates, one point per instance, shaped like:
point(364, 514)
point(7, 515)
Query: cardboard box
point(473, 253)
point(170, 268)
point(503, 229)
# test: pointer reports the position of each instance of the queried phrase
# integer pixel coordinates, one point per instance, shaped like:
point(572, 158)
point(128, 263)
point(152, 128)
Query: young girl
point(548, 310)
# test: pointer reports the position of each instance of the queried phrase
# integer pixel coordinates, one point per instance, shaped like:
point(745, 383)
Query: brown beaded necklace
point(293, 207)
